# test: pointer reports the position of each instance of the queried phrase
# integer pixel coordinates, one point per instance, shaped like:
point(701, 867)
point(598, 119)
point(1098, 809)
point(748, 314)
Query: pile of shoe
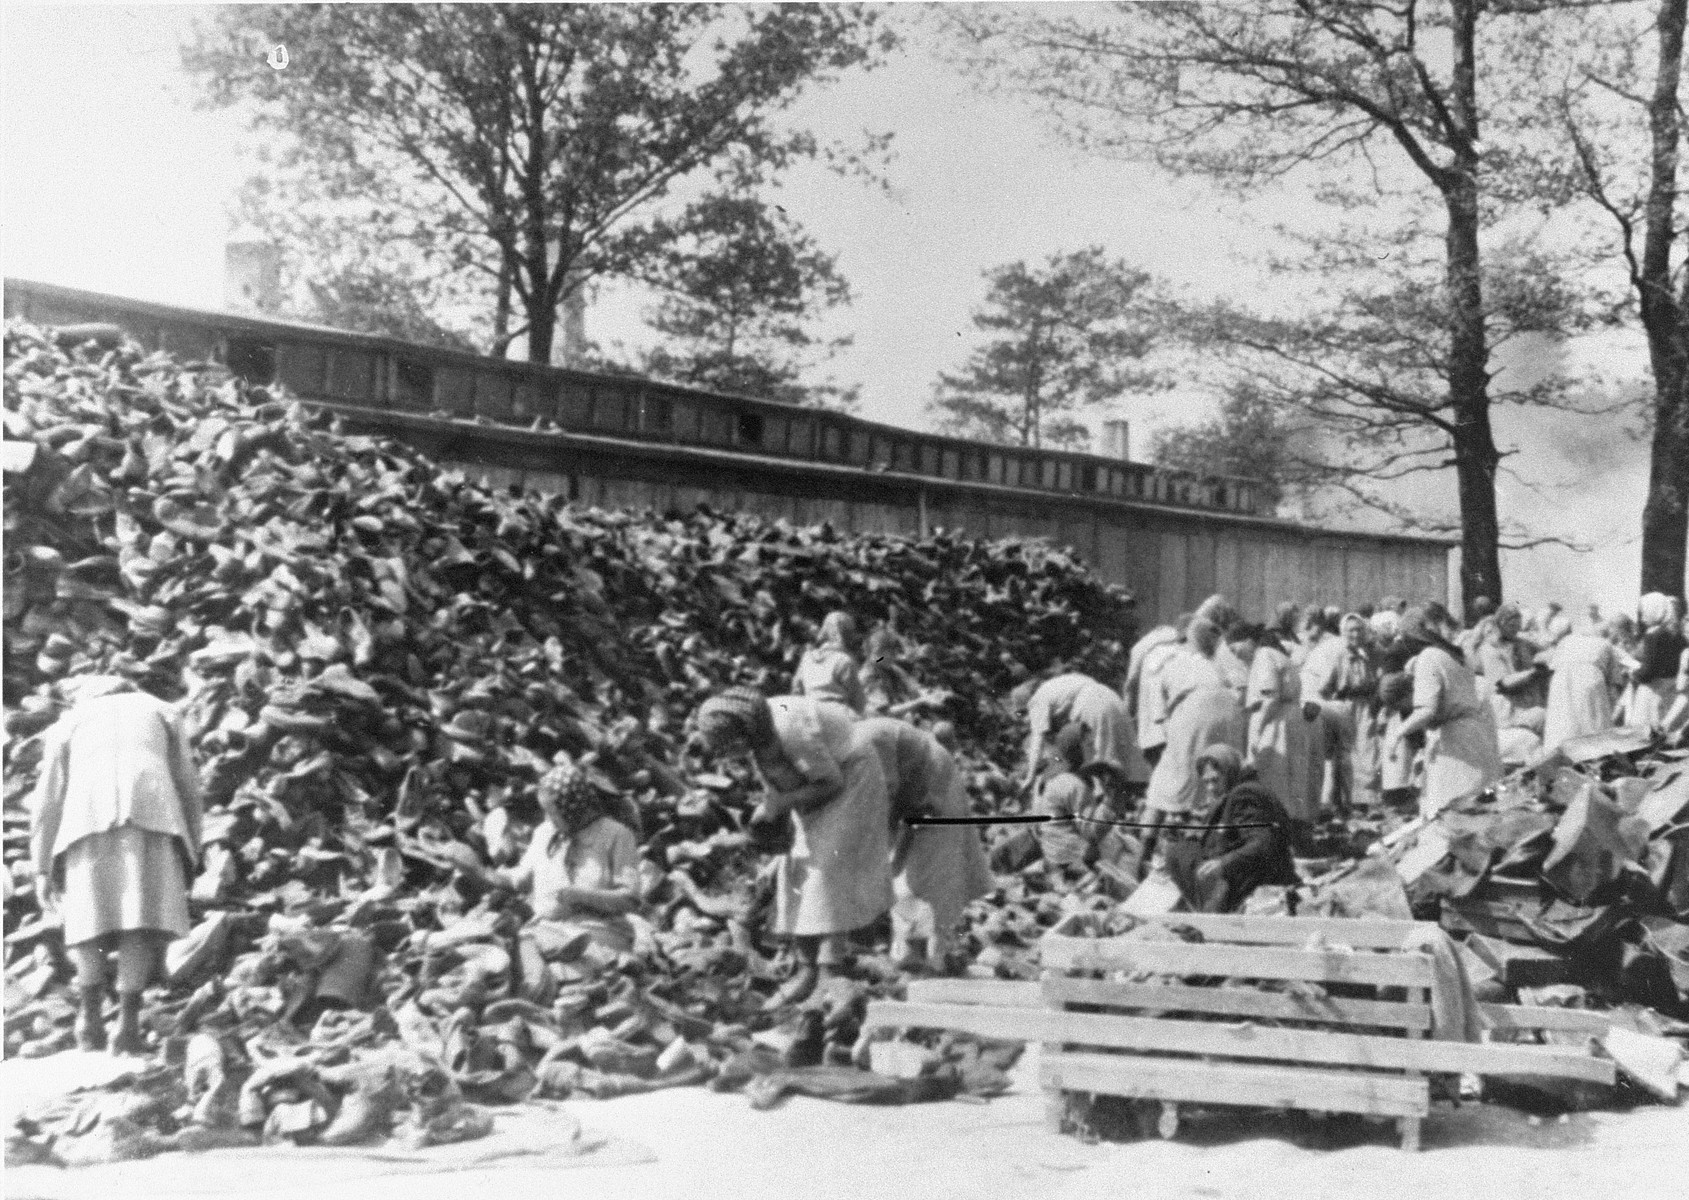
point(378, 659)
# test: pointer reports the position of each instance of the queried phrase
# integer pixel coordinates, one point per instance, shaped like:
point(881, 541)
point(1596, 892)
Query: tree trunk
point(1475, 456)
point(1665, 517)
point(501, 307)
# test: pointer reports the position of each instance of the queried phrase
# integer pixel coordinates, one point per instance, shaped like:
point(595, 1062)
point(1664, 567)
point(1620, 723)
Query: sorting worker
point(825, 778)
point(1462, 753)
point(114, 839)
point(829, 671)
point(1063, 795)
point(941, 866)
point(1202, 710)
point(581, 870)
point(1245, 843)
point(1104, 722)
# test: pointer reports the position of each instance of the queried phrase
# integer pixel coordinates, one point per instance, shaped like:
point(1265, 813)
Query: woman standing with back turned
point(115, 833)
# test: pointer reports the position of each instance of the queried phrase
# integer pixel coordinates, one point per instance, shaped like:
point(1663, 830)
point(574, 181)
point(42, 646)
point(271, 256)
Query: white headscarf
point(1655, 608)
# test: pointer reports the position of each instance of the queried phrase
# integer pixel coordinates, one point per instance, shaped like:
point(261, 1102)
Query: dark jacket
point(1248, 858)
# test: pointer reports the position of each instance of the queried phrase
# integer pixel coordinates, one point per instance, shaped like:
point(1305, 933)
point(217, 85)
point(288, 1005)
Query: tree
point(1253, 436)
point(1069, 336)
point(1633, 182)
point(739, 283)
point(1380, 104)
point(529, 145)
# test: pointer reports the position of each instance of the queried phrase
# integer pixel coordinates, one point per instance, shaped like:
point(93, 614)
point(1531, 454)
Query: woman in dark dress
point(1246, 842)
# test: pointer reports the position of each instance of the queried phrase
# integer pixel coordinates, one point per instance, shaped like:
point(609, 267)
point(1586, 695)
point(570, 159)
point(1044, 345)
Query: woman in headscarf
point(1219, 610)
point(941, 865)
point(826, 778)
point(1246, 842)
point(114, 839)
point(581, 869)
point(1340, 684)
point(1098, 710)
point(1586, 681)
point(1278, 730)
point(1655, 676)
point(1514, 683)
point(1202, 711)
point(1462, 755)
point(829, 671)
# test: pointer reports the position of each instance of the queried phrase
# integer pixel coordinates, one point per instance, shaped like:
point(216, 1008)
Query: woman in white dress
point(1278, 731)
point(1462, 753)
point(824, 776)
point(1586, 681)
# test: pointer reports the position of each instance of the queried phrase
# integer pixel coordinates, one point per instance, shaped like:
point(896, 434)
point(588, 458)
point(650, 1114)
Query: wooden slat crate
point(1122, 1017)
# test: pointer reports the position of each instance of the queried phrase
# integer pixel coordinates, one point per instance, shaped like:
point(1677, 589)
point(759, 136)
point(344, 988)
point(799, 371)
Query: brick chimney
point(1117, 440)
point(251, 273)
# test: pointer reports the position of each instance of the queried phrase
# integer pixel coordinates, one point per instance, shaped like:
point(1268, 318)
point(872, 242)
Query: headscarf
point(1285, 618)
point(1204, 635)
point(838, 632)
point(1227, 761)
point(1508, 611)
point(1218, 610)
point(1356, 619)
point(1386, 624)
point(738, 712)
point(1069, 743)
point(1420, 628)
point(1654, 609)
point(566, 789)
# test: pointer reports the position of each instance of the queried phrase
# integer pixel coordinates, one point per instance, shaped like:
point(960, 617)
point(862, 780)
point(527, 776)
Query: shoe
point(91, 1022)
point(129, 1039)
point(795, 990)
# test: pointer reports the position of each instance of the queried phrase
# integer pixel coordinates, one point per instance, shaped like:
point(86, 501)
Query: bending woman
point(943, 865)
point(826, 778)
point(115, 833)
point(1462, 752)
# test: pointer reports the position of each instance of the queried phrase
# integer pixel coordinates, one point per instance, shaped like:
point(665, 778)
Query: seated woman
point(1219, 866)
point(581, 871)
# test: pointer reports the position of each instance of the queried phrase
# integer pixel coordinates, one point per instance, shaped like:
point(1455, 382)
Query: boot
point(795, 990)
point(128, 1039)
point(91, 1022)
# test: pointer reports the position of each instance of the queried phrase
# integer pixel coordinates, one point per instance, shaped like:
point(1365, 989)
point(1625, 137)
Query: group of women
point(1243, 732)
point(849, 783)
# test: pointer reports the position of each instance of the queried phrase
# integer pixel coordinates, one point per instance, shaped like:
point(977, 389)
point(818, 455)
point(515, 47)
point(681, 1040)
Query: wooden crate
point(1122, 1017)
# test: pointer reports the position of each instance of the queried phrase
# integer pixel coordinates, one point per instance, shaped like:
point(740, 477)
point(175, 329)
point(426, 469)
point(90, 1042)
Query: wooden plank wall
point(1170, 563)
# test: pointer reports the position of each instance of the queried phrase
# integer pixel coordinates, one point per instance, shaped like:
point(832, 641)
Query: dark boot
point(91, 1022)
point(128, 1039)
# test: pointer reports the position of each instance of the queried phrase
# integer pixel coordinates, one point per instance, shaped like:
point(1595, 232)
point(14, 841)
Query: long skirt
point(124, 880)
point(1207, 717)
point(945, 865)
point(837, 876)
point(1110, 734)
point(1648, 703)
point(1278, 747)
point(1462, 758)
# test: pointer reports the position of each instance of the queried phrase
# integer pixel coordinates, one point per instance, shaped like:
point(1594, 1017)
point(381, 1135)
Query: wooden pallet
point(1120, 1017)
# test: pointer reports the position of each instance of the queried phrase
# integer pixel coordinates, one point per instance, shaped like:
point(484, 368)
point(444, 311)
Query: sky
point(115, 182)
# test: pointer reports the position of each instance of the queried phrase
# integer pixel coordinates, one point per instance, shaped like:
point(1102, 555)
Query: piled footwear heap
point(1573, 872)
point(378, 659)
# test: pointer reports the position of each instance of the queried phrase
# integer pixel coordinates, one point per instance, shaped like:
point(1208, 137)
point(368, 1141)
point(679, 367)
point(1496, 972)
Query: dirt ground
point(695, 1144)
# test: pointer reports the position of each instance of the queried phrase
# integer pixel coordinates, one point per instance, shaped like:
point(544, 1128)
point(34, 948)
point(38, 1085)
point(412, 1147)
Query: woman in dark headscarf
point(1462, 751)
point(825, 776)
point(829, 670)
point(1246, 842)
